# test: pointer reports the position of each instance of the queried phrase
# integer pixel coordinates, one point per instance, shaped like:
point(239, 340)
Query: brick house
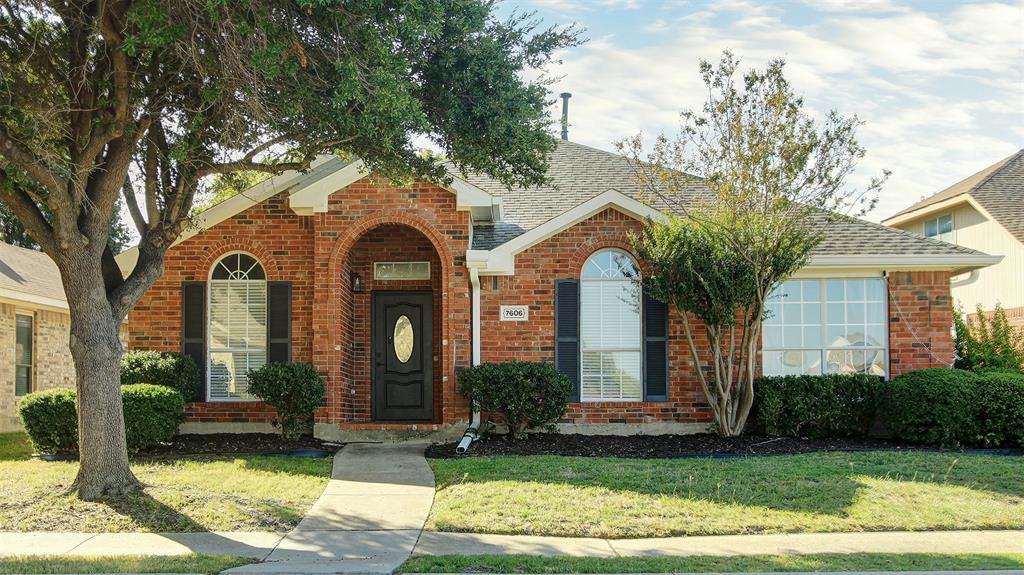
point(389, 290)
point(984, 212)
point(35, 328)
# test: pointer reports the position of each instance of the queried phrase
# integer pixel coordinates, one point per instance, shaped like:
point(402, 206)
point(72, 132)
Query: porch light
point(357, 282)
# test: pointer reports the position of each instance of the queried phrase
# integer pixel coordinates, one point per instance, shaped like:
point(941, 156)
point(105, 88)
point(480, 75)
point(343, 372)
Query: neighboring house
point(984, 212)
point(388, 291)
point(34, 330)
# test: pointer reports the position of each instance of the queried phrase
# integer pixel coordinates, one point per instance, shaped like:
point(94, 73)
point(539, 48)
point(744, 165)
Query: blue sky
point(940, 84)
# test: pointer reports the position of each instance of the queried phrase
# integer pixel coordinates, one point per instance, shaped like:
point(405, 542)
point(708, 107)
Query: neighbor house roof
point(30, 276)
point(579, 173)
point(997, 190)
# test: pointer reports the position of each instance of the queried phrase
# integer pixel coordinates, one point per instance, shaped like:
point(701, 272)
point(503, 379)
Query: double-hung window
point(24, 336)
point(610, 336)
point(816, 326)
point(940, 228)
point(238, 325)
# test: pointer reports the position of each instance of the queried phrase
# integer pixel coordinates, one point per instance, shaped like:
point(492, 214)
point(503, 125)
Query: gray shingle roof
point(579, 173)
point(30, 272)
point(998, 188)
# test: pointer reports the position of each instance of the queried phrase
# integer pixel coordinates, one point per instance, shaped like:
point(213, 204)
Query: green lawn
point(707, 564)
point(623, 498)
point(202, 493)
point(139, 564)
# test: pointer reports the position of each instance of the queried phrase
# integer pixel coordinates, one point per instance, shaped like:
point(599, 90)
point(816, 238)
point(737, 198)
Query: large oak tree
point(149, 99)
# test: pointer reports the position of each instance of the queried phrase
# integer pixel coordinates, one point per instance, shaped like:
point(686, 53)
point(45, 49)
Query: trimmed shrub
point(51, 420)
point(934, 406)
point(527, 394)
point(1001, 408)
point(816, 405)
point(152, 414)
point(169, 369)
point(294, 389)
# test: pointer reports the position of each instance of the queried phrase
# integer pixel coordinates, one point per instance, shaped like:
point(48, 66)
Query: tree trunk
point(96, 351)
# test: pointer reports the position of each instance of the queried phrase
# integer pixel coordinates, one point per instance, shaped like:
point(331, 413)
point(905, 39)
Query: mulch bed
point(663, 446)
point(230, 443)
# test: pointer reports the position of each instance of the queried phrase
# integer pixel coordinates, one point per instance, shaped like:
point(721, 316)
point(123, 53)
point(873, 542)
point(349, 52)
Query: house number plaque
point(515, 313)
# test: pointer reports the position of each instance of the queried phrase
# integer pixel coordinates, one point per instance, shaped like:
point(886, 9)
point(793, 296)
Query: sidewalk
point(433, 543)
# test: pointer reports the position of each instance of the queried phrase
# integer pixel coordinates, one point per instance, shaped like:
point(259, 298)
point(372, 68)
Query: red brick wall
point(562, 257)
point(920, 321)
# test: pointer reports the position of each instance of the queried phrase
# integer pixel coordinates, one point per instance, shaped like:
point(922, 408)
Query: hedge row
point(941, 407)
point(152, 414)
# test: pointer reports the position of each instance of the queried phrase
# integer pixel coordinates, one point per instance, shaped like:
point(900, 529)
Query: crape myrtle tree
point(750, 186)
point(149, 99)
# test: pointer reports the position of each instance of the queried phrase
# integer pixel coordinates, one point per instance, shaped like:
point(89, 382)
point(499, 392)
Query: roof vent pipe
point(565, 115)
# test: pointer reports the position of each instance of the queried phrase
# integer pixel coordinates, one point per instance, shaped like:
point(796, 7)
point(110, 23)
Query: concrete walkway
point(368, 520)
point(433, 543)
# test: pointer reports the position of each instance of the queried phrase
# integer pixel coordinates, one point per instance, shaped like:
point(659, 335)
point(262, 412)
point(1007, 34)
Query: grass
point(201, 493)
point(711, 564)
point(14, 446)
point(134, 564)
point(824, 492)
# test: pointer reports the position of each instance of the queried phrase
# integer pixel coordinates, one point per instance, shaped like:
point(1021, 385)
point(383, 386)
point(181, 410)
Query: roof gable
point(30, 276)
point(997, 192)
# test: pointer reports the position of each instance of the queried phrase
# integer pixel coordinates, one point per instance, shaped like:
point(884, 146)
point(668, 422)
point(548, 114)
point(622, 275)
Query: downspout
point(474, 425)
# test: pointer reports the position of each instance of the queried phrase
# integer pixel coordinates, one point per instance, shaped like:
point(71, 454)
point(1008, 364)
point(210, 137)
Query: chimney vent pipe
point(565, 115)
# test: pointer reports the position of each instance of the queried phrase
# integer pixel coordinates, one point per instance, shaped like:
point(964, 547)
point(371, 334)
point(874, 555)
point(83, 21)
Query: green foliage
point(755, 182)
point(1001, 408)
point(294, 389)
point(934, 406)
point(226, 186)
point(51, 420)
point(817, 405)
point(169, 369)
point(527, 394)
point(152, 414)
point(988, 340)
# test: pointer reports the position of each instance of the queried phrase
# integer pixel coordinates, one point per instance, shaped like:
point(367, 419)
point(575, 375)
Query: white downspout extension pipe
point(474, 424)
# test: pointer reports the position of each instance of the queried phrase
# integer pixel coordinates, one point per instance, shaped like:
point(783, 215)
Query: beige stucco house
point(34, 330)
point(984, 212)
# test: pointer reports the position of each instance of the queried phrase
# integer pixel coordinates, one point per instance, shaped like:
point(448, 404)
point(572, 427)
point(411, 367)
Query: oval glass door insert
point(404, 338)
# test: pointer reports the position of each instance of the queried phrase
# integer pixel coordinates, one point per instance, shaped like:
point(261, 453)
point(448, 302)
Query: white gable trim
point(312, 199)
point(501, 260)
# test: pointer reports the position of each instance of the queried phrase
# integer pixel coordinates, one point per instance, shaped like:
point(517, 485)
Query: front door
point(403, 386)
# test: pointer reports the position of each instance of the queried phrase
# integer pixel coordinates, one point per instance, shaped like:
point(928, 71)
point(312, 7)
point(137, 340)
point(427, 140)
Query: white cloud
point(942, 95)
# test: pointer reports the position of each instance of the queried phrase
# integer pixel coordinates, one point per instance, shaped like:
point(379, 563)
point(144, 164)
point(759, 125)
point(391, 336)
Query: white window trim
point(32, 366)
point(952, 221)
point(824, 349)
point(639, 349)
point(210, 281)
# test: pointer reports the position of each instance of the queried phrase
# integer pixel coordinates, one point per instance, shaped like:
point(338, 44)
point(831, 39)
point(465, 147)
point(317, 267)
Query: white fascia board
point(482, 205)
point(501, 260)
point(956, 263)
point(313, 198)
point(32, 300)
point(944, 205)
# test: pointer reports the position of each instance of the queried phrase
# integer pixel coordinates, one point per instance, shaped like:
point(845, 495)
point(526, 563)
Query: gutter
point(472, 432)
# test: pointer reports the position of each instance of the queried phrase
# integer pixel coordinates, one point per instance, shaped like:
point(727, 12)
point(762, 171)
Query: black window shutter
point(655, 349)
point(567, 332)
point(193, 329)
point(279, 321)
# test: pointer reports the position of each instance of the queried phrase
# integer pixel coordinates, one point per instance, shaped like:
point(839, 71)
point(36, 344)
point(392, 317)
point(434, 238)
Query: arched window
point(610, 338)
point(238, 325)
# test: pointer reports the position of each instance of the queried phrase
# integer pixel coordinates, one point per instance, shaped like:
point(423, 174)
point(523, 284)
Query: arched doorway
point(393, 322)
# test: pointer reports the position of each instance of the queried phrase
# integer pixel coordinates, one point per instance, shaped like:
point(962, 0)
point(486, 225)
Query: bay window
point(818, 326)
